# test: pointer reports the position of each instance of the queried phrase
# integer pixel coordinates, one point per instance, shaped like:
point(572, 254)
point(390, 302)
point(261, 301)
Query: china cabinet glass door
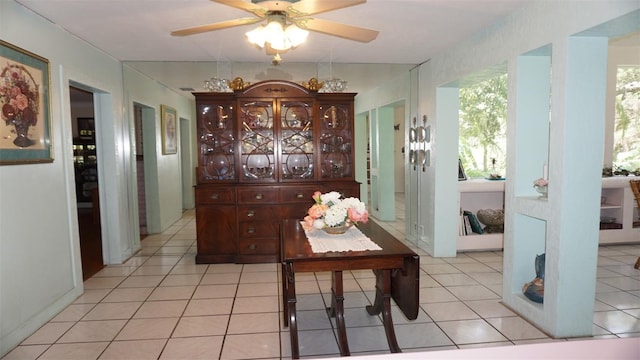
point(257, 139)
point(336, 141)
point(296, 140)
point(217, 142)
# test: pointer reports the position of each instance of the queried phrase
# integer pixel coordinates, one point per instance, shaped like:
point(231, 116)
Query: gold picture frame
point(169, 125)
point(25, 114)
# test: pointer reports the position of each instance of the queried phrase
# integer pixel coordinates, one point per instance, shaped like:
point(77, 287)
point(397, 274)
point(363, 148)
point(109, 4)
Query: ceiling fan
point(294, 12)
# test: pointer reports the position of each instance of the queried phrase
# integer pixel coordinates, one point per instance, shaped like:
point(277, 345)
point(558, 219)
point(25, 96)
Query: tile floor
point(161, 305)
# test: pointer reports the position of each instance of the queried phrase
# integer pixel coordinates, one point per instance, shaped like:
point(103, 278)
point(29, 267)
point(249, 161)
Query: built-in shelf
point(619, 204)
point(476, 194)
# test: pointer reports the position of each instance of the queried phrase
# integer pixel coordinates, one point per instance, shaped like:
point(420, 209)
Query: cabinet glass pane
point(336, 141)
point(217, 142)
point(257, 156)
point(296, 125)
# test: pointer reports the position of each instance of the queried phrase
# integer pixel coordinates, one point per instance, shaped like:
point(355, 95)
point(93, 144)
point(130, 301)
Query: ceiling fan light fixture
point(275, 33)
point(296, 35)
point(257, 36)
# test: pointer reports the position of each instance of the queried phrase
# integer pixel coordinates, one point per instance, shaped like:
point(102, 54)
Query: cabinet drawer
point(294, 211)
point(256, 229)
point(298, 194)
point(215, 196)
point(257, 196)
point(258, 213)
point(258, 246)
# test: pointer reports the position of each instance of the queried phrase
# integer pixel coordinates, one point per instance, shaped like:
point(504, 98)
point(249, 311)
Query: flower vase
point(22, 140)
point(337, 230)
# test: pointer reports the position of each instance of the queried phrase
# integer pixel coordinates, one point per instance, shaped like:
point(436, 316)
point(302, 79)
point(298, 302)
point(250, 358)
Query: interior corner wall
point(396, 91)
point(40, 266)
point(166, 188)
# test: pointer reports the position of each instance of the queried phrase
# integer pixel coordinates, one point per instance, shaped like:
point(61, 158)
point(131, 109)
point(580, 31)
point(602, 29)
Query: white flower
point(354, 203)
point(331, 197)
point(318, 223)
point(335, 215)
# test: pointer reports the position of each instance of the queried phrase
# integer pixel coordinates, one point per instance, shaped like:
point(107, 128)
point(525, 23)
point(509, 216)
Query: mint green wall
point(40, 272)
point(382, 146)
point(577, 90)
point(164, 183)
point(378, 104)
point(361, 137)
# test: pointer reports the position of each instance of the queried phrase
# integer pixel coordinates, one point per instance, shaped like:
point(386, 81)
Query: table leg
point(289, 306)
point(337, 310)
point(382, 304)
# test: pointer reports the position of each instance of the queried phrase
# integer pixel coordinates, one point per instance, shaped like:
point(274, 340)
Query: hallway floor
point(161, 305)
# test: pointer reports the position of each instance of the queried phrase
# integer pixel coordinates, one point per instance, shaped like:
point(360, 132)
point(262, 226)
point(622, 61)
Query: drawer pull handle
point(251, 213)
point(215, 196)
point(251, 230)
point(299, 195)
point(259, 196)
point(253, 247)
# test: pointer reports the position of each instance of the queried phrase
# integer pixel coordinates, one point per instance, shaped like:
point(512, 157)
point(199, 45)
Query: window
point(483, 124)
point(626, 138)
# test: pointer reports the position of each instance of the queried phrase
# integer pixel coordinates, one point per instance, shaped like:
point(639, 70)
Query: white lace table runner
point(352, 240)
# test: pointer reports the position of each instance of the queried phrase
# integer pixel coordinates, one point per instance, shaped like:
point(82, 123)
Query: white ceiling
point(411, 31)
point(138, 32)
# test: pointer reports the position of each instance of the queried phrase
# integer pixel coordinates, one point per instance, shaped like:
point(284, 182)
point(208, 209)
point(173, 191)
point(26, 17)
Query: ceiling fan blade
point(311, 7)
point(245, 5)
point(337, 29)
point(215, 26)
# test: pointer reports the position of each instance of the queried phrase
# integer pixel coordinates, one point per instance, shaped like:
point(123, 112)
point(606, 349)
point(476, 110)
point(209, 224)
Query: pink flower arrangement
point(332, 210)
point(18, 102)
point(18, 96)
point(541, 182)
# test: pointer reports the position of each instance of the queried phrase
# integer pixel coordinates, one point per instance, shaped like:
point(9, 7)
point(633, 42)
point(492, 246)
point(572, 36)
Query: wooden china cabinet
point(263, 151)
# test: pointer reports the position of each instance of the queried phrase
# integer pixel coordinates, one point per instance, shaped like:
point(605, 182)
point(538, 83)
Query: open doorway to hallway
point(142, 203)
point(85, 161)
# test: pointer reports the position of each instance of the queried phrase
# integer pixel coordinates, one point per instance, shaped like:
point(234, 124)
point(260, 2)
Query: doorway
point(142, 203)
point(85, 161)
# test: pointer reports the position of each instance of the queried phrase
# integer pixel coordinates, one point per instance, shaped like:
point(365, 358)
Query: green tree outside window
point(483, 123)
point(626, 149)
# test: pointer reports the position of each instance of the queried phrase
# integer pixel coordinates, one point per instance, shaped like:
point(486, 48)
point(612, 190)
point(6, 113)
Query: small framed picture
point(461, 174)
point(24, 102)
point(169, 136)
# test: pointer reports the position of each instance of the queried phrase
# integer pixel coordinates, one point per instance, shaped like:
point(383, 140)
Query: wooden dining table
point(396, 267)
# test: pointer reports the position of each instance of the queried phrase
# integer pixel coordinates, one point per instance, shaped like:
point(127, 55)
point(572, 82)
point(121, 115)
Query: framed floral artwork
point(169, 136)
point(24, 107)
